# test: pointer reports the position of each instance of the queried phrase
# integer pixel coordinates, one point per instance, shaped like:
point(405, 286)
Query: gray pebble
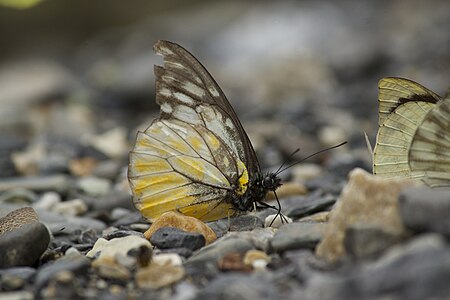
point(367, 240)
point(58, 183)
point(424, 209)
point(170, 237)
point(23, 246)
point(297, 235)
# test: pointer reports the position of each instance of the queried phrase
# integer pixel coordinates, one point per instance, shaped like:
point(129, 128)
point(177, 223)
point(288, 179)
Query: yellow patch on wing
point(147, 185)
point(243, 179)
point(208, 211)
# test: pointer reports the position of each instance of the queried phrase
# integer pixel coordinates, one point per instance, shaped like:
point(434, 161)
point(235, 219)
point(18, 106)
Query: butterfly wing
point(430, 147)
point(197, 152)
point(403, 104)
point(394, 91)
point(184, 81)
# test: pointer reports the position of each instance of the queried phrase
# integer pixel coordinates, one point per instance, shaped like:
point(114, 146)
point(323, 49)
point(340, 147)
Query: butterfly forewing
point(394, 138)
point(394, 91)
point(196, 153)
point(184, 80)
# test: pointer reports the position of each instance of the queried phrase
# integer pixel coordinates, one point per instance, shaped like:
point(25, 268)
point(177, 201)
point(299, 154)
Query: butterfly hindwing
point(430, 147)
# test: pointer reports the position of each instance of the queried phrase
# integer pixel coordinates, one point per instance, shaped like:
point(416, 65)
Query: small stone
point(79, 265)
point(297, 235)
point(58, 183)
point(305, 171)
point(108, 268)
point(47, 201)
point(276, 220)
point(18, 196)
point(235, 285)
point(245, 223)
point(113, 142)
point(313, 203)
point(109, 249)
point(156, 276)
point(82, 166)
point(424, 209)
point(74, 207)
point(171, 259)
point(88, 236)
point(288, 189)
point(107, 169)
point(214, 252)
point(94, 186)
point(367, 241)
point(233, 262)
point(177, 220)
point(365, 199)
point(170, 237)
point(322, 216)
point(257, 259)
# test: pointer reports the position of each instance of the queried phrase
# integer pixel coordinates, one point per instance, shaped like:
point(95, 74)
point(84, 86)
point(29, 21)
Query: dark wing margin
point(395, 91)
point(184, 75)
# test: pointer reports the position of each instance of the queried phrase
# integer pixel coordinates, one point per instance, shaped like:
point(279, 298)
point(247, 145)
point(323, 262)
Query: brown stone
point(365, 199)
point(17, 218)
point(180, 221)
point(288, 189)
point(156, 276)
point(82, 166)
point(234, 261)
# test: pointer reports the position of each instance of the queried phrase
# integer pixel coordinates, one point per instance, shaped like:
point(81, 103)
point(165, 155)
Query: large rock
point(365, 199)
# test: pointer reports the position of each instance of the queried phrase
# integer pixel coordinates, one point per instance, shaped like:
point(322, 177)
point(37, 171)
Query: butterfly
point(413, 139)
point(196, 157)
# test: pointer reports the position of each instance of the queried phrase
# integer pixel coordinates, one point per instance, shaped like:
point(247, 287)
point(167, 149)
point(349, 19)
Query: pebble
point(276, 220)
point(165, 259)
point(74, 207)
point(109, 268)
point(58, 183)
point(365, 199)
point(177, 220)
point(297, 235)
point(364, 240)
point(233, 261)
point(78, 265)
point(82, 166)
point(257, 259)
point(94, 186)
point(23, 246)
point(305, 171)
point(47, 201)
point(245, 223)
point(288, 189)
point(156, 276)
point(113, 142)
point(118, 246)
point(304, 206)
point(17, 218)
point(170, 237)
point(19, 196)
point(423, 209)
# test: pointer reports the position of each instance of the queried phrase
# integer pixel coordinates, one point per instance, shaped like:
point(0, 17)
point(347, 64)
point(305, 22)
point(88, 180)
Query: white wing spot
point(165, 92)
point(229, 123)
point(213, 91)
point(183, 98)
point(165, 107)
point(165, 51)
point(194, 89)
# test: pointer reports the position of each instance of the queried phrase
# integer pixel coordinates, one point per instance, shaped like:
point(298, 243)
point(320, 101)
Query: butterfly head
point(270, 181)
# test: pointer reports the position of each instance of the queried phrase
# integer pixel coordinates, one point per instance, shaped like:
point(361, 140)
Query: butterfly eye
point(267, 182)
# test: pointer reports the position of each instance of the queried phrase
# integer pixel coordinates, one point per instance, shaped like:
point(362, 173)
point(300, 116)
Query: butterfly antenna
point(287, 159)
point(309, 156)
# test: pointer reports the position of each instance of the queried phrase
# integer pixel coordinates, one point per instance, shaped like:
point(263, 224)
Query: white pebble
point(277, 222)
point(47, 201)
point(75, 207)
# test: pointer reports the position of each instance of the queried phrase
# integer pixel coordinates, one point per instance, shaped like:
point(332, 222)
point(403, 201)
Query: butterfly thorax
point(256, 192)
